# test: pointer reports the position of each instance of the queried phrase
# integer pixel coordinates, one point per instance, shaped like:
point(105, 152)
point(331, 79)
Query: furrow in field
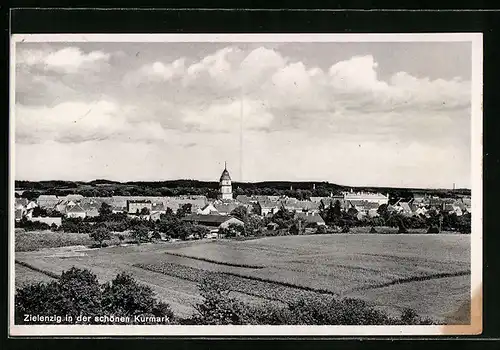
point(411, 279)
point(259, 287)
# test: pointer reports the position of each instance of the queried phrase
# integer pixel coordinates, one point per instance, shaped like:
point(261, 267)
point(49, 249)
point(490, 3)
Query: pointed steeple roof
point(225, 173)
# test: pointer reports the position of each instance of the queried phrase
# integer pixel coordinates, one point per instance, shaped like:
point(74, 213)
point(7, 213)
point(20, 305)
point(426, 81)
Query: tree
point(78, 293)
point(125, 297)
point(382, 210)
point(321, 230)
point(100, 234)
point(184, 210)
point(105, 211)
point(144, 211)
point(155, 235)
point(254, 225)
point(333, 214)
point(232, 230)
point(298, 227)
point(217, 307)
point(140, 234)
point(284, 218)
point(199, 231)
point(240, 212)
point(37, 212)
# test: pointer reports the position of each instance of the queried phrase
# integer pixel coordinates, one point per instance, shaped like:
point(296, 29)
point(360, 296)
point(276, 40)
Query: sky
point(357, 113)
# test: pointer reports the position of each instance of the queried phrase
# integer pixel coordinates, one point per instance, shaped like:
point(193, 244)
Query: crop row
point(34, 268)
point(216, 261)
point(248, 285)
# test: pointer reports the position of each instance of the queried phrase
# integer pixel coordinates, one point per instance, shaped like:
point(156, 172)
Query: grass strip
point(412, 279)
point(34, 268)
point(216, 261)
point(257, 286)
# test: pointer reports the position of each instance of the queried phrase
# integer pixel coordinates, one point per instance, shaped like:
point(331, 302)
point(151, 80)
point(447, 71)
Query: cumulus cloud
point(72, 122)
point(67, 60)
point(341, 112)
point(228, 117)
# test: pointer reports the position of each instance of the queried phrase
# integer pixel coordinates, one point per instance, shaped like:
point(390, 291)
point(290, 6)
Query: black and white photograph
point(246, 184)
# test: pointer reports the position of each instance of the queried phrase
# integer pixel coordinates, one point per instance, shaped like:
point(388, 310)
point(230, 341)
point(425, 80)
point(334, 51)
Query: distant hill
point(301, 190)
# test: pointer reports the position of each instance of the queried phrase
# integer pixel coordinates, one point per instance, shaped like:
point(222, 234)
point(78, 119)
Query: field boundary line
point(253, 278)
point(37, 269)
point(411, 279)
point(216, 262)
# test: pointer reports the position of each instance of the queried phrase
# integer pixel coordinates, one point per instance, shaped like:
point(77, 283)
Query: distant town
point(291, 212)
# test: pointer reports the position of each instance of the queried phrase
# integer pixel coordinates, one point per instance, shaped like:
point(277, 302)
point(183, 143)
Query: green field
point(429, 273)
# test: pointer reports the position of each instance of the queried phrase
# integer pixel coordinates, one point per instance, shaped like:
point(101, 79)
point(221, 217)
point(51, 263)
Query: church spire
point(225, 165)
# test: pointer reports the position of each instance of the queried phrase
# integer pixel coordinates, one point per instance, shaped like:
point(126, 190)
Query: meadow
point(388, 270)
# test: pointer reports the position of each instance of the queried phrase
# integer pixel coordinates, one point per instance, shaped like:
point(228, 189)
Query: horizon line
point(256, 182)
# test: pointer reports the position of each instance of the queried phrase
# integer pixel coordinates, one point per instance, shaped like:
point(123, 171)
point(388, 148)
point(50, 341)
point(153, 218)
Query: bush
point(77, 292)
point(100, 235)
point(140, 233)
point(32, 225)
point(218, 308)
point(402, 229)
point(232, 230)
point(321, 230)
point(372, 230)
point(433, 229)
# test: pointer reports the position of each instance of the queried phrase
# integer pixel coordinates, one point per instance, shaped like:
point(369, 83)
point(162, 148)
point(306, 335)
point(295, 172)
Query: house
point(47, 201)
point(327, 201)
point(378, 198)
point(224, 208)
point(20, 208)
point(232, 220)
point(301, 206)
point(244, 199)
point(360, 215)
point(21, 202)
point(421, 211)
point(266, 207)
point(18, 214)
point(457, 210)
point(207, 210)
point(158, 208)
point(73, 197)
point(75, 211)
point(212, 221)
point(155, 215)
point(91, 210)
point(361, 206)
point(61, 206)
point(31, 205)
point(175, 203)
point(420, 199)
point(310, 220)
point(405, 208)
point(135, 206)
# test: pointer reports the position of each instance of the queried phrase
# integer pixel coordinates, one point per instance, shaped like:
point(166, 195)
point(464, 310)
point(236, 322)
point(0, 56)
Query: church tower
point(225, 187)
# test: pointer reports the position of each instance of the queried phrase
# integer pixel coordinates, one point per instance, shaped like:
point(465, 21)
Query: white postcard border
point(174, 330)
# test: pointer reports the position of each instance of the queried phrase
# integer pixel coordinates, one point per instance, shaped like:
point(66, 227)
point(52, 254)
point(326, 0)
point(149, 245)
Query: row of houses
point(365, 204)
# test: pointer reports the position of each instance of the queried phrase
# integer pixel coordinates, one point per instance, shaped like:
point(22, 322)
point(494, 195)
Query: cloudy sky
point(378, 114)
